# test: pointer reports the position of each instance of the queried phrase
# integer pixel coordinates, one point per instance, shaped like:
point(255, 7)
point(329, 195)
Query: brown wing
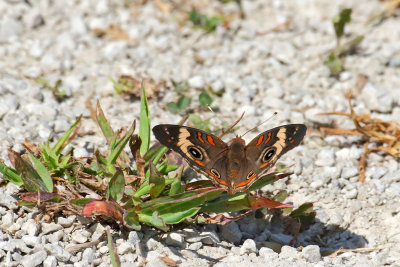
point(269, 146)
point(203, 151)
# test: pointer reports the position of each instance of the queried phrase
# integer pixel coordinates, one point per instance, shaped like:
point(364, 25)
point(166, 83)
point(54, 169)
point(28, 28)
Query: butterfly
point(234, 166)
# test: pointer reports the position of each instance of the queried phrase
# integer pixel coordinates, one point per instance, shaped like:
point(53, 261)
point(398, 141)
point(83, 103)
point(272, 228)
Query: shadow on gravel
point(330, 237)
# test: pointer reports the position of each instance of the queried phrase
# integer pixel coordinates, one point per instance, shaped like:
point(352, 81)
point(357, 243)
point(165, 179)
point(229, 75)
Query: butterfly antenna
point(273, 115)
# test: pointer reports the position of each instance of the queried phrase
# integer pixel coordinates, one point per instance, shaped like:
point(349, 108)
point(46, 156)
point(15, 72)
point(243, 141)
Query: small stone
point(268, 254)
point(66, 222)
point(196, 82)
point(288, 252)
point(7, 220)
point(311, 253)
point(249, 246)
point(281, 238)
point(56, 250)
point(195, 246)
point(124, 248)
point(325, 158)
point(31, 240)
point(209, 237)
point(31, 227)
point(134, 237)
point(98, 230)
point(175, 239)
point(34, 259)
point(349, 172)
point(88, 255)
point(312, 115)
point(231, 232)
point(9, 27)
point(80, 236)
point(20, 245)
point(50, 261)
point(50, 227)
point(153, 259)
point(351, 194)
point(377, 99)
point(55, 237)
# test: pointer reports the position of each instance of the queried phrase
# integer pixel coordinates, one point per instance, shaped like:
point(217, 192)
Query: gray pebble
point(249, 246)
point(50, 261)
point(31, 227)
point(124, 248)
point(31, 240)
point(196, 82)
point(56, 250)
point(175, 239)
point(34, 259)
point(268, 254)
point(288, 252)
point(80, 236)
point(50, 227)
point(66, 222)
point(325, 158)
point(311, 253)
point(349, 172)
point(231, 232)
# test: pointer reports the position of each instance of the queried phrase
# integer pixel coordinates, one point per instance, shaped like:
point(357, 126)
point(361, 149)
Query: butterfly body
point(237, 165)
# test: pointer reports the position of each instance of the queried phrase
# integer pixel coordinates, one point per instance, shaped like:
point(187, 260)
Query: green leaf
point(205, 99)
point(303, 209)
point(158, 222)
point(183, 102)
point(132, 220)
point(144, 129)
point(340, 20)
point(43, 173)
point(116, 186)
point(281, 196)
point(334, 64)
point(66, 138)
point(10, 174)
point(173, 107)
point(156, 181)
point(32, 180)
point(199, 123)
point(118, 146)
point(103, 123)
point(204, 22)
point(176, 187)
point(116, 262)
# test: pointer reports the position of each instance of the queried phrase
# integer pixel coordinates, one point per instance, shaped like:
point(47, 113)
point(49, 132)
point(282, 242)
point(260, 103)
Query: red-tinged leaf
point(37, 196)
point(168, 261)
point(222, 219)
point(264, 202)
point(106, 208)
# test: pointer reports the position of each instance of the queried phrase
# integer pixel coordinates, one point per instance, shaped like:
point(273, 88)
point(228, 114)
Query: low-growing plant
point(334, 61)
point(56, 89)
point(145, 188)
point(208, 24)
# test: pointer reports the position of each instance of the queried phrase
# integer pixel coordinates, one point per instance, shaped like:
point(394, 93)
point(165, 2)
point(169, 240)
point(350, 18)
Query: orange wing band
point(260, 140)
point(199, 137)
point(210, 140)
point(269, 137)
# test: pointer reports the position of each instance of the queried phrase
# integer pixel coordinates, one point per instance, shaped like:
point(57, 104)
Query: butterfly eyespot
point(195, 153)
point(250, 175)
point(268, 154)
point(215, 172)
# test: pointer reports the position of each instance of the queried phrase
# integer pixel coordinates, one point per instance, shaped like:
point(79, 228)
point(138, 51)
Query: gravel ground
point(262, 69)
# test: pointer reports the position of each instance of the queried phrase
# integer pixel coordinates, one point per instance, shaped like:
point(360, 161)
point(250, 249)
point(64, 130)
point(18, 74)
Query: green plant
point(334, 61)
point(209, 24)
point(148, 190)
point(58, 93)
